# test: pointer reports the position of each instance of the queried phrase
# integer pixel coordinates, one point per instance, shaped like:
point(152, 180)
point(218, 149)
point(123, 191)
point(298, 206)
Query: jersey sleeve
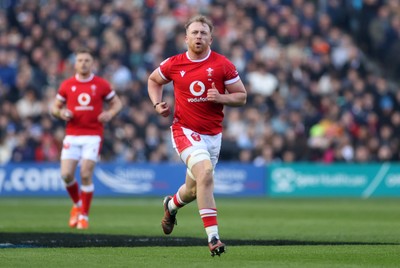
point(62, 92)
point(108, 92)
point(231, 74)
point(164, 69)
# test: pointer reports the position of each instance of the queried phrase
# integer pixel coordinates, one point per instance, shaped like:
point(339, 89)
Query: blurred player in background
point(204, 81)
point(80, 102)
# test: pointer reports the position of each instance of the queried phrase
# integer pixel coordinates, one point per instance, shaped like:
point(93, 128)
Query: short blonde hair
point(202, 19)
point(83, 50)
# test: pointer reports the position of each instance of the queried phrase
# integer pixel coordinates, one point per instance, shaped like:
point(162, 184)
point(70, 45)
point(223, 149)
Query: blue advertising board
point(231, 179)
point(112, 179)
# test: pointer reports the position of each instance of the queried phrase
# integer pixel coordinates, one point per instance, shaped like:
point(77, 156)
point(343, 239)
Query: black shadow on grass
point(71, 240)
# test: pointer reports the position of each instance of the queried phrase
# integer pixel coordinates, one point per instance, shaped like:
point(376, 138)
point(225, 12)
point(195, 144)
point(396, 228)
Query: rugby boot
point(83, 223)
point(168, 221)
point(216, 247)
point(73, 216)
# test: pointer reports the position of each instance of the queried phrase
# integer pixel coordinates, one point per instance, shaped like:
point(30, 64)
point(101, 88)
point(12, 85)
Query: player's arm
point(237, 95)
point(59, 111)
point(155, 89)
point(114, 107)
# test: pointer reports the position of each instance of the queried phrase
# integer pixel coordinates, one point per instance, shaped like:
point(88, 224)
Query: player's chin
point(199, 48)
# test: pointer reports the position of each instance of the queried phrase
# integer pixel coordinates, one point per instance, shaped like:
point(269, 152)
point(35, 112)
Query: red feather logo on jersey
point(210, 71)
point(195, 136)
point(93, 88)
point(66, 146)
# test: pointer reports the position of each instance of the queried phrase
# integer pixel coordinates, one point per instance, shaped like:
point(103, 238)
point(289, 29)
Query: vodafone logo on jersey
point(84, 100)
point(197, 88)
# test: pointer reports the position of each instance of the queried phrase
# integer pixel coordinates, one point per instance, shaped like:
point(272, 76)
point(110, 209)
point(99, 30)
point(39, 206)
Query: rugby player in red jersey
point(204, 81)
point(80, 102)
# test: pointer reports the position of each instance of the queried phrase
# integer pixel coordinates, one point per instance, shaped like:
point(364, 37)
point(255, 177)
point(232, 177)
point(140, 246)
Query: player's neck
point(83, 77)
point(194, 56)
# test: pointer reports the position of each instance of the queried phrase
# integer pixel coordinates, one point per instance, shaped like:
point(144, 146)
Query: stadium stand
point(319, 74)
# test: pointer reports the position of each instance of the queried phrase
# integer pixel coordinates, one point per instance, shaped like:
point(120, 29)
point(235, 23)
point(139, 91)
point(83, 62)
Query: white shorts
point(186, 141)
point(81, 147)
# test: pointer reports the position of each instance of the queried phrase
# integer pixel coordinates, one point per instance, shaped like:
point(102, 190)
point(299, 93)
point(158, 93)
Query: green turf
point(243, 256)
point(314, 220)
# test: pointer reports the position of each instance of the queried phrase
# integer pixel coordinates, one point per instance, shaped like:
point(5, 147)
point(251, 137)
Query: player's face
point(83, 64)
point(198, 38)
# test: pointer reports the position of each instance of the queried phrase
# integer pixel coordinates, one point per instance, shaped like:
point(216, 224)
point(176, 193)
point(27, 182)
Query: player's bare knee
point(67, 178)
point(86, 180)
point(206, 171)
point(205, 179)
point(209, 171)
point(86, 176)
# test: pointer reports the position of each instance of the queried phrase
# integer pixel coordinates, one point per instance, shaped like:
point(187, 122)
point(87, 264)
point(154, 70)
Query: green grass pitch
point(262, 232)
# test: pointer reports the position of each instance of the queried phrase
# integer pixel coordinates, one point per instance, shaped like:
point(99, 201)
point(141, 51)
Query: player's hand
point(66, 114)
point(105, 116)
point(213, 94)
point(163, 109)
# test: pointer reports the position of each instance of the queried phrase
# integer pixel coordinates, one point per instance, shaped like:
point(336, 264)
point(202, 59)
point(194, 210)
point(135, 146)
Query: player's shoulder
point(100, 80)
point(218, 56)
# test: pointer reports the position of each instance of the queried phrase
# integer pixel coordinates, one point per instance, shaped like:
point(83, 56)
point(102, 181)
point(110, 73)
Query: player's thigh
point(91, 148)
point(70, 155)
point(72, 149)
point(90, 155)
point(203, 154)
point(68, 167)
point(214, 147)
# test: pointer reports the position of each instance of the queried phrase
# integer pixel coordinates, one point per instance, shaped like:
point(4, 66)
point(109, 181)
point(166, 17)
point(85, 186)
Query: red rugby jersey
point(192, 79)
point(85, 98)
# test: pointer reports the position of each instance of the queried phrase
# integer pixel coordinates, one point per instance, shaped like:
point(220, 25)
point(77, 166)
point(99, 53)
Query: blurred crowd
point(313, 92)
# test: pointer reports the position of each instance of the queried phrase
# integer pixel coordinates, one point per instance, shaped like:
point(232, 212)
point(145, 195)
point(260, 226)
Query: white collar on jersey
point(84, 80)
point(203, 59)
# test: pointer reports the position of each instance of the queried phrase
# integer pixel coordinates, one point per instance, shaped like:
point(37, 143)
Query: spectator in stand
point(315, 51)
point(5, 148)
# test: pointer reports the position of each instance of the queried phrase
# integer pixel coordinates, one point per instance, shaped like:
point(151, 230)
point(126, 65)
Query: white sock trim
point(83, 217)
point(70, 183)
point(179, 199)
point(207, 212)
point(211, 232)
point(87, 188)
point(172, 206)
